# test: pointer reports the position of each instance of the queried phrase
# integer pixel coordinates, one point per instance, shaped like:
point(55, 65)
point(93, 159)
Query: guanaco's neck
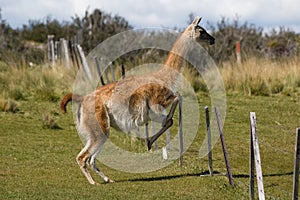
point(170, 73)
point(177, 53)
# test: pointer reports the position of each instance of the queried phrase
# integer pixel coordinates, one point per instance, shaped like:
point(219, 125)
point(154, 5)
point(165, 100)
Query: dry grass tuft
point(49, 122)
point(8, 106)
point(39, 82)
point(262, 77)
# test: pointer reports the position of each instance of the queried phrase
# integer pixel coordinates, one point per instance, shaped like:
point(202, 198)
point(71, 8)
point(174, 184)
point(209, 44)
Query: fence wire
point(270, 148)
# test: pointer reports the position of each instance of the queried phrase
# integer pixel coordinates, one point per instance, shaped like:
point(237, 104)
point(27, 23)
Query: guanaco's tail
point(70, 97)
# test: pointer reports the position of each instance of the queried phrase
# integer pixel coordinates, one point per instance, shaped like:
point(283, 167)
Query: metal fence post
point(208, 135)
point(224, 147)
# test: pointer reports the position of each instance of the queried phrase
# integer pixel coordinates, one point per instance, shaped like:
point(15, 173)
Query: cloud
point(166, 13)
point(171, 13)
point(278, 12)
point(18, 12)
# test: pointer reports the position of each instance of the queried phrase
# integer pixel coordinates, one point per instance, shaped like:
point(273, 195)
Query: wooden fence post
point(296, 166)
point(105, 70)
point(180, 132)
point(51, 53)
point(56, 50)
point(84, 62)
point(112, 72)
point(251, 177)
point(168, 139)
point(146, 132)
point(73, 54)
point(260, 185)
point(123, 71)
point(65, 50)
point(238, 51)
point(208, 135)
point(76, 56)
point(99, 70)
point(224, 147)
point(153, 133)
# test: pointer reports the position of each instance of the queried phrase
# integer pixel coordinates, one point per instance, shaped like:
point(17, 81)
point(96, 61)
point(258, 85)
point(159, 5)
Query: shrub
point(276, 86)
point(258, 87)
point(46, 93)
point(48, 122)
point(9, 105)
point(199, 85)
point(17, 93)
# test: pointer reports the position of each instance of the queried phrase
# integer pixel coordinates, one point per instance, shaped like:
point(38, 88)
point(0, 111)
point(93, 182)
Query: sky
point(159, 13)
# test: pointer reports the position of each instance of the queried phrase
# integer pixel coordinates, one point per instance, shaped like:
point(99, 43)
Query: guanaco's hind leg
point(82, 160)
point(88, 155)
point(97, 170)
point(96, 128)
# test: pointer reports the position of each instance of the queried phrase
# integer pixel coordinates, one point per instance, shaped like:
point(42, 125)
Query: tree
point(9, 41)
point(227, 33)
point(95, 27)
point(281, 43)
point(37, 30)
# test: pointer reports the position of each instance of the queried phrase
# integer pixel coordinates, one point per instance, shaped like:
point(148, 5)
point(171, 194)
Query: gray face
point(203, 36)
point(198, 33)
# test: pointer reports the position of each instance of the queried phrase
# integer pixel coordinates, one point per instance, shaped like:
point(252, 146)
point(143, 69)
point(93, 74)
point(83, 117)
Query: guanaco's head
point(198, 33)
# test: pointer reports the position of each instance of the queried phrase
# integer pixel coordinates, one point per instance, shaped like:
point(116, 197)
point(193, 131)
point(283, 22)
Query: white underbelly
point(121, 118)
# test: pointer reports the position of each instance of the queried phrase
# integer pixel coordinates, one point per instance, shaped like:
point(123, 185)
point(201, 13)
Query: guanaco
point(132, 102)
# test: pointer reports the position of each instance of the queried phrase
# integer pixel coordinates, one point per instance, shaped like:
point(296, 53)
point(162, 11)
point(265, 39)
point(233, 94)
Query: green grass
point(39, 163)
point(39, 145)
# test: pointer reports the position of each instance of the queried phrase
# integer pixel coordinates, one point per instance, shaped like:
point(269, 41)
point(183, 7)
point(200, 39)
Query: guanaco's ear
point(197, 20)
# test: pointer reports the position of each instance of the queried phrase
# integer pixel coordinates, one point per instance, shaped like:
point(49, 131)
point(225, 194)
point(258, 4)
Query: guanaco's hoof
point(149, 145)
point(110, 181)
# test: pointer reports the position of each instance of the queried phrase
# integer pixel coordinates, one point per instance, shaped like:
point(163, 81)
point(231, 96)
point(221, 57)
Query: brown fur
point(69, 97)
point(130, 102)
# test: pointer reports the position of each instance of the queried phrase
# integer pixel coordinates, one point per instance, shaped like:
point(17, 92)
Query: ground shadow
point(264, 175)
point(159, 178)
point(199, 174)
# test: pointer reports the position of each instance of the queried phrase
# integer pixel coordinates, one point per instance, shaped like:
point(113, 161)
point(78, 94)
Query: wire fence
point(277, 160)
point(277, 152)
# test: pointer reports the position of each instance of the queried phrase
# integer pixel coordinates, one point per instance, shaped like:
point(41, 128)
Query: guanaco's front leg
point(167, 123)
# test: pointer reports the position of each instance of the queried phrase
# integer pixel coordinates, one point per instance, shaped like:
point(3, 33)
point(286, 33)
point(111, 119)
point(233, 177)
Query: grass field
point(39, 163)
point(39, 144)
